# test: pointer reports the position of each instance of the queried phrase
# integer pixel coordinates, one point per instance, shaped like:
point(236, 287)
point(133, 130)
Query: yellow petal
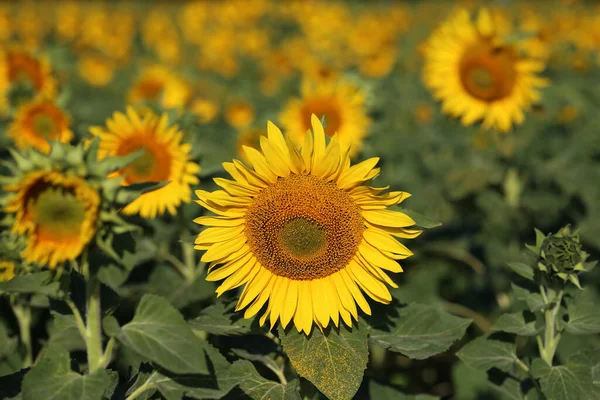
point(254, 288)
point(344, 294)
point(307, 150)
point(274, 158)
point(260, 165)
point(391, 218)
point(484, 23)
point(385, 242)
point(242, 275)
point(319, 303)
point(357, 173)
point(260, 301)
point(371, 285)
point(219, 221)
point(279, 300)
point(290, 303)
point(218, 234)
point(333, 300)
point(276, 137)
point(355, 291)
point(319, 141)
point(377, 258)
point(229, 268)
point(236, 189)
point(221, 250)
point(303, 319)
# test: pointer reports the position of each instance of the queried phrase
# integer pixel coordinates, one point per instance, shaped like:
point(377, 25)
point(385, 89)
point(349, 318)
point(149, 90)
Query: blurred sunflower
point(164, 158)
point(158, 84)
point(239, 113)
point(55, 212)
point(23, 77)
point(7, 270)
point(479, 77)
point(96, 69)
point(38, 122)
point(302, 232)
point(205, 109)
point(342, 106)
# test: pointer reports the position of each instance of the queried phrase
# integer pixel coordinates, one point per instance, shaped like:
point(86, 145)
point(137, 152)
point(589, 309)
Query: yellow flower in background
point(6, 25)
point(248, 138)
point(7, 270)
point(23, 77)
point(38, 122)
point(56, 213)
point(158, 84)
point(479, 77)
point(68, 20)
point(302, 232)
point(164, 158)
point(342, 106)
point(239, 114)
point(96, 69)
point(380, 63)
point(205, 109)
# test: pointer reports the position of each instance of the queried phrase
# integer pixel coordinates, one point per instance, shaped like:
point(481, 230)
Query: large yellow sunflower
point(23, 77)
point(342, 105)
point(56, 213)
point(477, 75)
point(165, 158)
point(37, 122)
point(302, 232)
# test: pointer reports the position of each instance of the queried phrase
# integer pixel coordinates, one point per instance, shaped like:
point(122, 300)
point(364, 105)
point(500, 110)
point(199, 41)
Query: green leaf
point(515, 323)
point(483, 353)
point(564, 382)
point(421, 221)
point(168, 283)
point(159, 332)
point(534, 301)
point(522, 269)
point(333, 360)
point(584, 319)
point(510, 389)
point(64, 333)
point(52, 379)
point(377, 391)
point(259, 388)
point(420, 331)
point(219, 320)
point(38, 282)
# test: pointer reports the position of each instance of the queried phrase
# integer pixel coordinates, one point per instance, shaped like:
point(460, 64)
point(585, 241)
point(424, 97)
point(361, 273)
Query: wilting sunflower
point(340, 104)
point(38, 122)
point(164, 158)
point(157, 84)
point(7, 270)
point(23, 77)
point(477, 76)
point(55, 212)
point(302, 232)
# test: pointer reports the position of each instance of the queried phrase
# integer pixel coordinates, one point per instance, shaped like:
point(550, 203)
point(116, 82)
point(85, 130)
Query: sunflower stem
point(189, 260)
point(23, 315)
point(93, 337)
point(548, 346)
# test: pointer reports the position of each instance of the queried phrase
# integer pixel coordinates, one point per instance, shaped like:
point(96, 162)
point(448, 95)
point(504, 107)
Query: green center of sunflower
point(44, 126)
point(302, 237)
point(59, 213)
point(482, 77)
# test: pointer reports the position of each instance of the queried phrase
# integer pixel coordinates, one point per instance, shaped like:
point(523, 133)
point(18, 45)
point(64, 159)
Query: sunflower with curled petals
point(164, 158)
point(302, 232)
point(479, 76)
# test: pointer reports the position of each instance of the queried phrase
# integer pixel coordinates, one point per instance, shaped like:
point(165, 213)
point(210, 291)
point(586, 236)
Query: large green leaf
point(534, 301)
point(526, 271)
point(159, 332)
point(515, 323)
point(378, 391)
point(333, 360)
point(419, 331)
point(52, 379)
point(219, 320)
point(564, 382)
point(584, 319)
point(484, 353)
point(259, 388)
point(64, 332)
point(38, 282)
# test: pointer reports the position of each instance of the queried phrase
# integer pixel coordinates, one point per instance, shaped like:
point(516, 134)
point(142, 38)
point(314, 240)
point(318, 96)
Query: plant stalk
point(23, 315)
point(551, 335)
point(93, 338)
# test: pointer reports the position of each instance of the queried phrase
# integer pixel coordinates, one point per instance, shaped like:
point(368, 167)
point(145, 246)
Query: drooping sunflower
point(164, 158)
point(477, 75)
point(56, 212)
point(23, 77)
point(302, 232)
point(342, 106)
point(38, 122)
point(158, 84)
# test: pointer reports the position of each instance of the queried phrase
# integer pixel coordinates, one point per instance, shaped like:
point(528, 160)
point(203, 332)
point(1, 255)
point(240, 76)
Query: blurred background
point(222, 69)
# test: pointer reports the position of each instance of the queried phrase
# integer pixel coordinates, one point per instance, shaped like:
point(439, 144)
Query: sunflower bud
point(560, 255)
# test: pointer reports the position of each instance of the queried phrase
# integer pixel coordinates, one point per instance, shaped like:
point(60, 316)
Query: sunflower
point(56, 213)
point(7, 270)
point(302, 232)
point(23, 77)
point(164, 158)
point(239, 113)
point(477, 76)
point(95, 69)
point(37, 122)
point(157, 84)
point(340, 104)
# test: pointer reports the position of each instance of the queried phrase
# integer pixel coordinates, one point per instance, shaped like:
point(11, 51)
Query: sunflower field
point(299, 200)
